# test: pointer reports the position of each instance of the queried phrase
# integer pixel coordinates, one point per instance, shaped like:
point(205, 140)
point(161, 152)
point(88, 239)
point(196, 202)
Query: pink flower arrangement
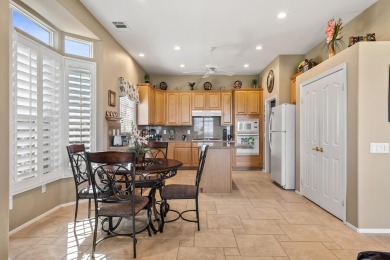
point(333, 30)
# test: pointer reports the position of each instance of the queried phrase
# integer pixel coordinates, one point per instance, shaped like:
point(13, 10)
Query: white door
point(310, 168)
point(323, 125)
point(332, 141)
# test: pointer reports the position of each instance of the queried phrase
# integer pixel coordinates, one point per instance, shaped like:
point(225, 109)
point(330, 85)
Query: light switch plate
point(379, 147)
point(188, 132)
point(43, 188)
point(165, 131)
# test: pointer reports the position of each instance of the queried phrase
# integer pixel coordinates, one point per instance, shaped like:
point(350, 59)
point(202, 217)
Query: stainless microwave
point(247, 126)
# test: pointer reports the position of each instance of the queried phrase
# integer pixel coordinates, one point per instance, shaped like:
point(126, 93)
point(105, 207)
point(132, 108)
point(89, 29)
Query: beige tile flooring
point(257, 220)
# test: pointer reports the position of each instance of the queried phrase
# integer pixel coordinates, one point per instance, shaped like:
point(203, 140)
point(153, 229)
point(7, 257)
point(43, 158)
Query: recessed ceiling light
point(182, 65)
point(282, 15)
point(177, 48)
point(246, 65)
point(259, 47)
point(141, 55)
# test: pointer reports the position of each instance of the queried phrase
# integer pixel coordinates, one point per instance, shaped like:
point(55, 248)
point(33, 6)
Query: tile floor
point(257, 220)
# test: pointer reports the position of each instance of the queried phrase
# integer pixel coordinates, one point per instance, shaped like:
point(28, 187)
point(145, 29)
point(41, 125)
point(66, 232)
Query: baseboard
point(298, 192)
point(368, 230)
point(44, 215)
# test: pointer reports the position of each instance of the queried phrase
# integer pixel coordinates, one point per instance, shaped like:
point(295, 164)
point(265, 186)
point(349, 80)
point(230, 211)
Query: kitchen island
point(217, 171)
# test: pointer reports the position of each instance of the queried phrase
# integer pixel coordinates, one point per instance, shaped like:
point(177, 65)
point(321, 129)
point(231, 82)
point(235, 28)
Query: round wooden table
point(155, 171)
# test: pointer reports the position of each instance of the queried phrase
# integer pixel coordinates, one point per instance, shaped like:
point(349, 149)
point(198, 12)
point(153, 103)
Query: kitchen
point(186, 117)
point(372, 168)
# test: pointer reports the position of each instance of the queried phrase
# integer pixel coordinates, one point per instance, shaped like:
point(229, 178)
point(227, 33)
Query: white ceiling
point(235, 27)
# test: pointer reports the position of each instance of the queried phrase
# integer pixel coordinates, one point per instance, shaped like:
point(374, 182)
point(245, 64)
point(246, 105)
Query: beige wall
point(181, 81)
point(4, 122)
point(112, 61)
point(375, 19)
point(284, 66)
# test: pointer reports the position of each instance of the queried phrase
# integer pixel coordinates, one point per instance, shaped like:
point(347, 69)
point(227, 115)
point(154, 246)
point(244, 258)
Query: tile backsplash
point(202, 127)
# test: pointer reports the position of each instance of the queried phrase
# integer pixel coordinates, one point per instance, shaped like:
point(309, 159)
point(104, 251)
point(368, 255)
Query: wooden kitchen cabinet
point(185, 114)
point(198, 101)
point(195, 154)
point(213, 101)
point(227, 118)
point(146, 109)
point(183, 153)
point(159, 115)
point(172, 108)
point(293, 86)
point(206, 101)
point(247, 102)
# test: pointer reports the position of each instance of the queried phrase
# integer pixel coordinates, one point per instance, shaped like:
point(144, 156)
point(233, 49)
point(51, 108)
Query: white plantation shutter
point(51, 116)
point(25, 100)
point(127, 114)
point(79, 86)
point(35, 114)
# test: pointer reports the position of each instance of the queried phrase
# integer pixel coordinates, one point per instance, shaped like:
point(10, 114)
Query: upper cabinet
point(227, 117)
point(159, 113)
point(185, 115)
point(146, 109)
point(294, 88)
point(178, 108)
point(247, 102)
point(172, 108)
point(206, 100)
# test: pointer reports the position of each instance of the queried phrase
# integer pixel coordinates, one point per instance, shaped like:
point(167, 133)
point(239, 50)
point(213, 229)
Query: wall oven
point(248, 134)
point(250, 140)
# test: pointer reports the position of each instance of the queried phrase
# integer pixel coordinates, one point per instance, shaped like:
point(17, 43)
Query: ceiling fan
point(212, 69)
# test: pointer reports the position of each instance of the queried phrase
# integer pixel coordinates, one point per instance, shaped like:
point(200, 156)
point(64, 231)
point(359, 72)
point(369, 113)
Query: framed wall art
point(111, 98)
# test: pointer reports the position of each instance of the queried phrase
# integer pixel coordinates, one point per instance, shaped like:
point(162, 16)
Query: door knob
point(315, 149)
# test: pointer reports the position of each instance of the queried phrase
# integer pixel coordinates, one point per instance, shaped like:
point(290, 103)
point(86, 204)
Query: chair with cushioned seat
point(76, 153)
point(111, 169)
point(183, 191)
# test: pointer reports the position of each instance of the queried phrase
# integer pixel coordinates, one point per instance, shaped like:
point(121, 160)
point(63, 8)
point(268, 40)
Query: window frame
point(35, 20)
point(89, 43)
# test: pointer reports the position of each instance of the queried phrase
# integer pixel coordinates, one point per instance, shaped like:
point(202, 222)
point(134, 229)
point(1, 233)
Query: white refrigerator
point(282, 145)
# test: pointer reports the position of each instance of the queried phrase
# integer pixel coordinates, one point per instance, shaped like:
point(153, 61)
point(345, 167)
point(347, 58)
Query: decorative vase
point(332, 51)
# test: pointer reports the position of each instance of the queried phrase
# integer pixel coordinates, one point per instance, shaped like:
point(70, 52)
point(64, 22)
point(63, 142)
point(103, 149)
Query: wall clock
point(270, 81)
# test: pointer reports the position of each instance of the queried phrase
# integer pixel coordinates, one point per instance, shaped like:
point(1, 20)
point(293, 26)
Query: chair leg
point(95, 235)
point(197, 214)
point(75, 212)
point(89, 208)
point(134, 239)
point(162, 214)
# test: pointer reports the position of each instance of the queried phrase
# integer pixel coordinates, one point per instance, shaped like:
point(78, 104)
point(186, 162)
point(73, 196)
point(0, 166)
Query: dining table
point(156, 170)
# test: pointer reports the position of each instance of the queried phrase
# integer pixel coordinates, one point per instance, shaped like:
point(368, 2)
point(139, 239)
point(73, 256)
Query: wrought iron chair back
point(157, 149)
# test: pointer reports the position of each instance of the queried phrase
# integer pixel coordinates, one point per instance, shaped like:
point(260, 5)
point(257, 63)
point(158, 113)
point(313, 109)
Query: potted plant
point(147, 78)
point(254, 83)
point(191, 84)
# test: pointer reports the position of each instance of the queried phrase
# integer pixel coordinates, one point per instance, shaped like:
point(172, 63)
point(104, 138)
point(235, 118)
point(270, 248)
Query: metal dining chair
point(76, 153)
point(111, 169)
point(183, 191)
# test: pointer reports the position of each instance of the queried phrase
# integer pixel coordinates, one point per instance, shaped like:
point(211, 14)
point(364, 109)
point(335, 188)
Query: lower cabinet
point(195, 155)
point(182, 152)
point(247, 161)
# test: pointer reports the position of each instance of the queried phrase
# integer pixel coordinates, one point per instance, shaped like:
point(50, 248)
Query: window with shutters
point(52, 105)
point(78, 47)
point(79, 87)
point(36, 127)
point(127, 114)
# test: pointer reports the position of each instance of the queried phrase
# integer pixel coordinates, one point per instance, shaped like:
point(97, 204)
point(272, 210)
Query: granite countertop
point(212, 144)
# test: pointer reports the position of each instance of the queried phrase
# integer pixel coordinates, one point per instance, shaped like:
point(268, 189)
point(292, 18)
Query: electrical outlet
point(379, 147)
point(43, 188)
point(165, 131)
point(188, 132)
